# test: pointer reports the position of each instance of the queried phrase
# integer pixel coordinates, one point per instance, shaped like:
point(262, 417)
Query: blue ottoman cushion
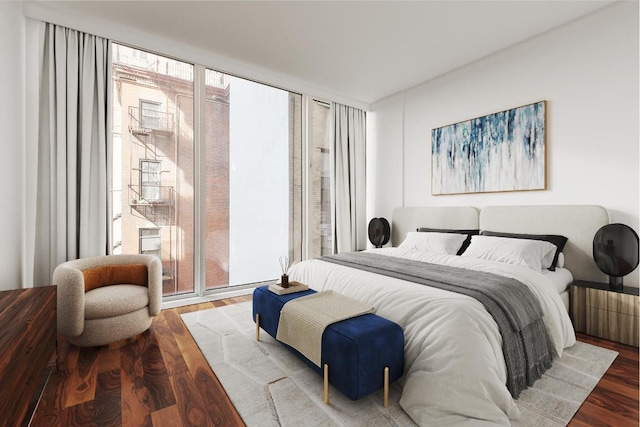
point(357, 350)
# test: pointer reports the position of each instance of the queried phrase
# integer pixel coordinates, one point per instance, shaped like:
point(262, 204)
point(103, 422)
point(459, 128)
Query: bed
point(455, 369)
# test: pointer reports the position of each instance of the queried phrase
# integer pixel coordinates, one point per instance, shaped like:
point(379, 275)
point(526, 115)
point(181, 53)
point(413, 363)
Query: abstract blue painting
point(504, 151)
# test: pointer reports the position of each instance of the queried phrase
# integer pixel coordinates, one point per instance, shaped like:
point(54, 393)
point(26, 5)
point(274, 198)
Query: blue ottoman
point(363, 354)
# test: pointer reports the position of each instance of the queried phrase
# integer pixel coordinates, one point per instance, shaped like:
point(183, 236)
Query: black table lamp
point(615, 251)
point(379, 232)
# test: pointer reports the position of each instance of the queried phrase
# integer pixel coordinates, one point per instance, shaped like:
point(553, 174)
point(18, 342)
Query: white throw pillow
point(533, 254)
point(560, 262)
point(438, 243)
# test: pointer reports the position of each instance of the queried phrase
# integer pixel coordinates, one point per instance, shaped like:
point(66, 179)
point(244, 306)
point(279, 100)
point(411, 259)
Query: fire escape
point(147, 197)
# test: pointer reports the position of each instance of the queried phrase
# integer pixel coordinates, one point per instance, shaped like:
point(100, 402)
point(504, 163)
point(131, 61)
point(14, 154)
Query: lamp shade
point(379, 232)
point(615, 251)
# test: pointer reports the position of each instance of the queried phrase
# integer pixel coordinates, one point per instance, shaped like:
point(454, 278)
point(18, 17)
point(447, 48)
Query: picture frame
point(499, 152)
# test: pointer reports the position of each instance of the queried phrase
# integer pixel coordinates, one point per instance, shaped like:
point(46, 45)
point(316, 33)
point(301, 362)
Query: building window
point(150, 115)
point(150, 180)
point(150, 241)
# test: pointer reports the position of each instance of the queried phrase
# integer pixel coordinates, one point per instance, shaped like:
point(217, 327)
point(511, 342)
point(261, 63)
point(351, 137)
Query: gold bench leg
point(386, 387)
point(257, 326)
point(326, 383)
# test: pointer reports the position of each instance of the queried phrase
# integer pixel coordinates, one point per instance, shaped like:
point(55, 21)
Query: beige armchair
point(108, 298)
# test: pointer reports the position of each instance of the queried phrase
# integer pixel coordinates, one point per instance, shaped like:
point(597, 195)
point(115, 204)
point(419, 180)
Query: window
point(150, 115)
point(153, 162)
point(150, 180)
point(253, 180)
point(243, 174)
point(321, 241)
point(151, 241)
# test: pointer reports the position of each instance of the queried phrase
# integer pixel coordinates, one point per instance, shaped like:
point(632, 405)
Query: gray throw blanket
point(525, 342)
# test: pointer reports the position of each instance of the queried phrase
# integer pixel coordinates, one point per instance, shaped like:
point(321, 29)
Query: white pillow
point(437, 243)
point(533, 254)
point(560, 262)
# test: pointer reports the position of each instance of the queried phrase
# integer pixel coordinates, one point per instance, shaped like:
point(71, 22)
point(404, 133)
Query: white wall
point(385, 157)
point(12, 52)
point(587, 71)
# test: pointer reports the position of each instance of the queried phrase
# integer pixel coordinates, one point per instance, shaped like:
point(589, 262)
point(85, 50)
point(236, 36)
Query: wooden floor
point(161, 379)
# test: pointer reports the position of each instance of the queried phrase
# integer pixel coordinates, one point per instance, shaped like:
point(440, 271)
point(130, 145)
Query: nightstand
point(595, 310)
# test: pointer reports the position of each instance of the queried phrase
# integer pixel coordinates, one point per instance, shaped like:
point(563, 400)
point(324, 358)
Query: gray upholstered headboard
point(578, 223)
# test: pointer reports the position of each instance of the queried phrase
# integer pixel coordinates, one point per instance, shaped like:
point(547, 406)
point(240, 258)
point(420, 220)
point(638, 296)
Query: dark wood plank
point(186, 344)
point(220, 303)
point(109, 359)
point(104, 410)
point(135, 402)
point(215, 399)
point(171, 354)
point(81, 381)
point(167, 417)
point(192, 410)
point(612, 385)
point(591, 414)
point(194, 307)
point(156, 378)
point(615, 402)
point(243, 298)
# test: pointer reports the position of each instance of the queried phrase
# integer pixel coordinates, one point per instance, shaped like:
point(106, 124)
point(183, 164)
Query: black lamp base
point(615, 284)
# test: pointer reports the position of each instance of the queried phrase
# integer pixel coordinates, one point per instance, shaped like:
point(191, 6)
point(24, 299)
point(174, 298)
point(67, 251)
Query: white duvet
point(455, 372)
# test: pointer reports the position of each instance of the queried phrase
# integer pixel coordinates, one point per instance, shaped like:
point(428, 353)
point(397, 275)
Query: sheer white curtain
point(71, 185)
point(348, 179)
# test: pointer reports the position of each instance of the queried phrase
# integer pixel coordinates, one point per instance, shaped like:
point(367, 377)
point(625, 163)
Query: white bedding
point(455, 372)
point(561, 278)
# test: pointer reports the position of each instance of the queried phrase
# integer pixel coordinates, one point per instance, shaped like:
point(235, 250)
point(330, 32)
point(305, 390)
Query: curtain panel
point(72, 198)
point(348, 181)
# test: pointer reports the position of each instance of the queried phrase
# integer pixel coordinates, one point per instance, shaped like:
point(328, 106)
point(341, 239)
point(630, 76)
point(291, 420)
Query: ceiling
point(362, 50)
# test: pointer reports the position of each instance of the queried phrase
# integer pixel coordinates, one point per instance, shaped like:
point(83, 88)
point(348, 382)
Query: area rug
point(268, 385)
